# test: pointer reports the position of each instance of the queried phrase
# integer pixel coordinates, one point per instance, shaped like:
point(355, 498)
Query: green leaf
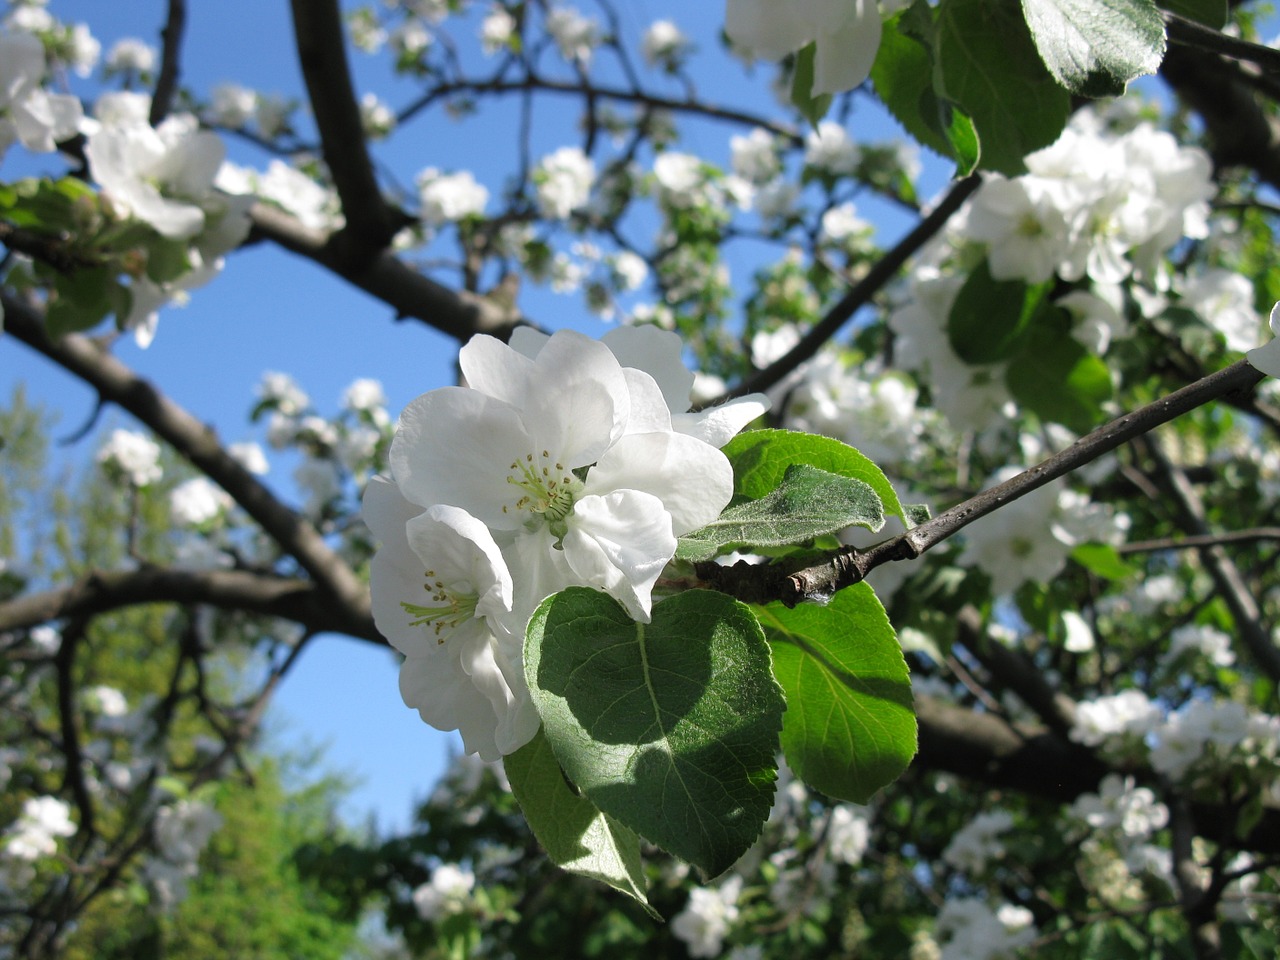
point(167, 260)
point(990, 318)
point(850, 725)
point(808, 503)
point(760, 460)
point(812, 108)
point(576, 835)
point(903, 79)
point(1095, 47)
point(1103, 560)
point(80, 301)
point(670, 727)
point(990, 66)
point(1211, 13)
point(1056, 378)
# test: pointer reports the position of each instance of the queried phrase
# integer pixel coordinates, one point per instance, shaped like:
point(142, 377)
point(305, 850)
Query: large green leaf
point(903, 78)
point(808, 503)
point(850, 725)
point(576, 835)
point(1056, 378)
point(670, 727)
point(760, 460)
point(1095, 47)
point(990, 317)
point(990, 66)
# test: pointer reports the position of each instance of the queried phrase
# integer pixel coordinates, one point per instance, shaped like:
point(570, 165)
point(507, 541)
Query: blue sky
point(272, 311)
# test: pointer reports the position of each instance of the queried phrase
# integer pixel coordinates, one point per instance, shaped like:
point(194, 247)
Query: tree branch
point(859, 295)
point(457, 313)
point(322, 52)
point(117, 384)
point(1190, 515)
point(170, 55)
point(761, 583)
point(100, 591)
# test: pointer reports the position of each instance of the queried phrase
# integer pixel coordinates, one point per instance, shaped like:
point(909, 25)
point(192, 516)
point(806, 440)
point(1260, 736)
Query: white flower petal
point(692, 479)
point(620, 543)
point(844, 56)
point(658, 353)
point(455, 446)
point(719, 424)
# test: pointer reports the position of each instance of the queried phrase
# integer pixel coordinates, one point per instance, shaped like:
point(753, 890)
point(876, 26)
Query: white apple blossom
point(629, 270)
point(376, 118)
point(1200, 640)
point(131, 456)
point(1129, 713)
point(232, 105)
point(977, 843)
point(1121, 806)
point(563, 180)
point(1224, 300)
point(445, 893)
point(409, 38)
point(1025, 230)
point(36, 831)
point(162, 175)
point(497, 29)
point(197, 501)
point(664, 45)
point(705, 921)
point(1267, 357)
point(848, 834)
point(518, 436)
point(28, 113)
point(295, 192)
point(449, 197)
point(846, 34)
point(829, 149)
point(83, 49)
point(754, 157)
point(842, 225)
point(971, 930)
point(271, 114)
point(576, 36)
point(364, 395)
point(131, 55)
point(443, 596)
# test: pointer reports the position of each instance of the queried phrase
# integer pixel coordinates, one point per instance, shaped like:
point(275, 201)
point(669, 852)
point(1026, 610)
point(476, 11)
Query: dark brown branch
point(117, 384)
point(170, 56)
point(1188, 33)
point(1240, 131)
point(1197, 542)
point(322, 52)
point(1190, 515)
point(457, 313)
point(298, 600)
point(988, 749)
point(860, 294)
point(73, 756)
point(1014, 671)
point(650, 101)
point(762, 583)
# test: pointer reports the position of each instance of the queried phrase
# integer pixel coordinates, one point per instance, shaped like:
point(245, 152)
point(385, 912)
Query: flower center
point(547, 490)
point(448, 609)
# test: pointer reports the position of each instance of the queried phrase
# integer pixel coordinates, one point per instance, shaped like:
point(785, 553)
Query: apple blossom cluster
point(30, 114)
point(164, 176)
point(1198, 742)
point(132, 457)
point(564, 461)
